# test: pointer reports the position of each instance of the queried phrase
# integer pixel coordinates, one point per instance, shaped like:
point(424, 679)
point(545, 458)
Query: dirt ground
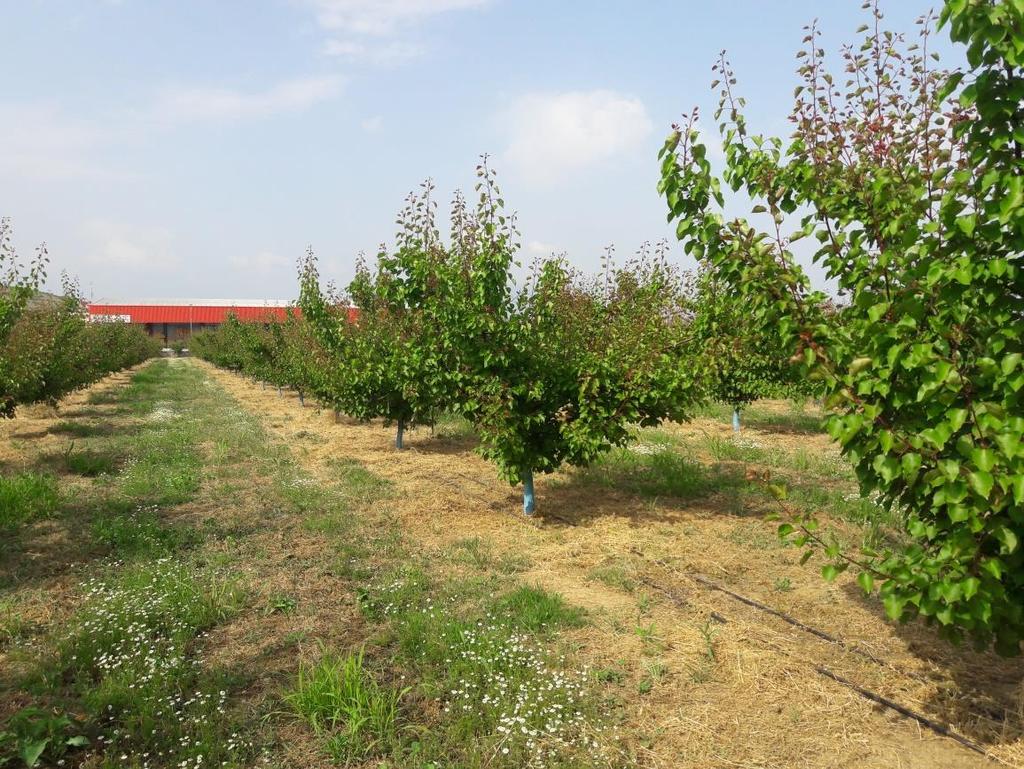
point(737, 686)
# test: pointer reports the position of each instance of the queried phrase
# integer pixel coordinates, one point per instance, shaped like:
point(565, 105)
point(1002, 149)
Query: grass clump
point(26, 497)
point(614, 576)
point(79, 429)
point(340, 700)
point(90, 463)
point(479, 552)
point(537, 610)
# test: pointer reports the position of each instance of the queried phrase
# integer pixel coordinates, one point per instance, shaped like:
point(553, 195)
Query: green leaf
point(1007, 538)
point(984, 459)
point(966, 224)
point(866, 582)
point(32, 751)
point(829, 572)
point(893, 605)
point(981, 482)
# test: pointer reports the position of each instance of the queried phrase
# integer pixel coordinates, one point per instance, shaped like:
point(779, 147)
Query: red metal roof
point(183, 313)
point(194, 313)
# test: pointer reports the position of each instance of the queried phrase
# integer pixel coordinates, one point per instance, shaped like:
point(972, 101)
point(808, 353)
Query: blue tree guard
point(529, 503)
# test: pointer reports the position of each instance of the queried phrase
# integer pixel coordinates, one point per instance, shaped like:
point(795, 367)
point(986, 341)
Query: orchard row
point(47, 346)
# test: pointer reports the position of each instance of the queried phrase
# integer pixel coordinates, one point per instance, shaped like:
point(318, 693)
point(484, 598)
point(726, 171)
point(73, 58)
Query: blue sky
point(193, 148)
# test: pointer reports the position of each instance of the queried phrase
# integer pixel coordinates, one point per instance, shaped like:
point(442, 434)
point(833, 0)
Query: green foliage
point(25, 497)
point(16, 288)
point(53, 350)
point(746, 360)
point(537, 610)
point(34, 735)
point(912, 184)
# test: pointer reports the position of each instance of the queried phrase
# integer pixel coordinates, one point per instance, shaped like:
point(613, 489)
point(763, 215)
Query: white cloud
point(42, 142)
point(200, 103)
point(367, 30)
point(539, 248)
point(262, 263)
point(382, 17)
point(379, 53)
point(372, 125)
point(129, 247)
point(554, 134)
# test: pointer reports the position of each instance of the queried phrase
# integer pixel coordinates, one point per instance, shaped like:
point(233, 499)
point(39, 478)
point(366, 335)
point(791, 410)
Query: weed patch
point(26, 497)
point(341, 701)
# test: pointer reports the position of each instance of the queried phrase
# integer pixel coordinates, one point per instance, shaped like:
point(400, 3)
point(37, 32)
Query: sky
point(195, 148)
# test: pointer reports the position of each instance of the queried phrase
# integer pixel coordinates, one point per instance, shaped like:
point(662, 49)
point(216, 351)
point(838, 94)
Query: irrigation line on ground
point(785, 617)
point(904, 711)
point(921, 719)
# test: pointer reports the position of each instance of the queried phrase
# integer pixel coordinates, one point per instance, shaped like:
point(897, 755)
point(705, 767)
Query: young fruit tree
point(365, 375)
point(559, 370)
point(746, 360)
point(911, 181)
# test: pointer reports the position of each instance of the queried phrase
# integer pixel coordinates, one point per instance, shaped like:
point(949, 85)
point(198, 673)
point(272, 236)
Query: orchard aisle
point(700, 679)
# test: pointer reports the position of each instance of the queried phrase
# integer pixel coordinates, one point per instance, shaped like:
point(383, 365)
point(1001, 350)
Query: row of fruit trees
point(47, 346)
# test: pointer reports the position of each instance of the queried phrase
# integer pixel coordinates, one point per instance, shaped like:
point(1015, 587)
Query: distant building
point(177, 319)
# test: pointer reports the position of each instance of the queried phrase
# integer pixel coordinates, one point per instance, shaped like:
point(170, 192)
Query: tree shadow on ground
point(662, 486)
point(979, 692)
point(442, 445)
point(72, 430)
point(83, 462)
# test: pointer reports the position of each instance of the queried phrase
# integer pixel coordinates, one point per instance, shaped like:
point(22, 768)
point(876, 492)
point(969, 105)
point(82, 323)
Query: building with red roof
point(178, 319)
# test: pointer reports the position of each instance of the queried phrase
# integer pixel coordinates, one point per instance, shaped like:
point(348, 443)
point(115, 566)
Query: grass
point(657, 470)
point(91, 463)
point(614, 576)
point(26, 497)
point(138, 530)
point(705, 668)
point(536, 610)
point(479, 553)
point(79, 429)
point(799, 418)
point(127, 663)
point(342, 702)
point(453, 427)
point(128, 659)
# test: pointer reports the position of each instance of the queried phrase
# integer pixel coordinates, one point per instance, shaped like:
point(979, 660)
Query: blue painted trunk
point(736, 420)
point(529, 503)
point(399, 435)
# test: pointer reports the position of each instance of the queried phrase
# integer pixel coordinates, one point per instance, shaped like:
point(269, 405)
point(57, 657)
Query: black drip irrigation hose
point(787, 618)
point(904, 711)
point(878, 699)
